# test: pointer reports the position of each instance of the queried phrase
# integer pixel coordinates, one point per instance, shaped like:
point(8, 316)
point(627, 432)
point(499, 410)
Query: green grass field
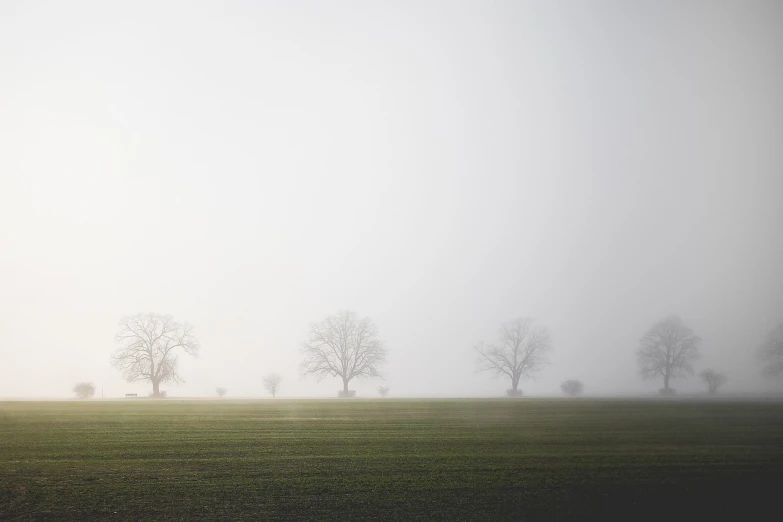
point(389, 459)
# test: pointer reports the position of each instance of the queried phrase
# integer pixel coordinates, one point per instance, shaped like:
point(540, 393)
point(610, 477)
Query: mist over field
point(439, 167)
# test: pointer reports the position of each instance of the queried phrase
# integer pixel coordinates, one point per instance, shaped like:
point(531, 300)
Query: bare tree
point(272, 383)
point(345, 346)
point(84, 390)
point(771, 352)
point(148, 344)
point(668, 350)
point(713, 380)
point(221, 392)
point(572, 388)
point(520, 352)
point(383, 391)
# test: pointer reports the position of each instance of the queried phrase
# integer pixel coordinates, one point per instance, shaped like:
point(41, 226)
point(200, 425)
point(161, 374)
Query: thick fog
point(439, 167)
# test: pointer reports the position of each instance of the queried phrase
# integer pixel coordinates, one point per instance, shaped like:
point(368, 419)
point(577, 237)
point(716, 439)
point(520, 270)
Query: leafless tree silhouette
point(520, 353)
point(668, 350)
point(221, 391)
point(713, 380)
point(383, 391)
point(771, 352)
point(272, 383)
point(345, 346)
point(148, 344)
point(84, 390)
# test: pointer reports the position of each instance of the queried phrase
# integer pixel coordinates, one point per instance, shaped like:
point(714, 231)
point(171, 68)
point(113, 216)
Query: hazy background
point(440, 167)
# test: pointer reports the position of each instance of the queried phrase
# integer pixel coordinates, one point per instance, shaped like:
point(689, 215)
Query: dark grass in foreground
point(390, 459)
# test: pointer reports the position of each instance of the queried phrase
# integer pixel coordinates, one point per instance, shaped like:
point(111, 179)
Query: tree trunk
point(155, 388)
point(666, 382)
point(515, 383)
point(345, 387)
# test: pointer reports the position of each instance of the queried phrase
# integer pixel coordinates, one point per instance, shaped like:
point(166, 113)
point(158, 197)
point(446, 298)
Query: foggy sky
point(440, 167)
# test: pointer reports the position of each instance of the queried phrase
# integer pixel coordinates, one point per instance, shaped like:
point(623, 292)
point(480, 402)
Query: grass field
point(390, 459)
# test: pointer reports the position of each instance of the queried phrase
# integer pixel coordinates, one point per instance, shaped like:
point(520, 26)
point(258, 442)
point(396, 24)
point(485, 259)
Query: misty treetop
point(148, 348)
point(343, 345)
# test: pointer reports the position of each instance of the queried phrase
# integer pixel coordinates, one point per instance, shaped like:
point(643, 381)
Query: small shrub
point(84, 390)
point(514, 393)
point(667, 392)
point(713, 380)
point(346, 394)
point(572, 388)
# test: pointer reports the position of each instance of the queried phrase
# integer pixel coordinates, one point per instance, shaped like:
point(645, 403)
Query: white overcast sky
point(441, 167)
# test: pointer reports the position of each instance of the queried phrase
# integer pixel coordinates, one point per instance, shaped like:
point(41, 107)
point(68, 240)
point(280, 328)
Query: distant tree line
point(348, 347)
